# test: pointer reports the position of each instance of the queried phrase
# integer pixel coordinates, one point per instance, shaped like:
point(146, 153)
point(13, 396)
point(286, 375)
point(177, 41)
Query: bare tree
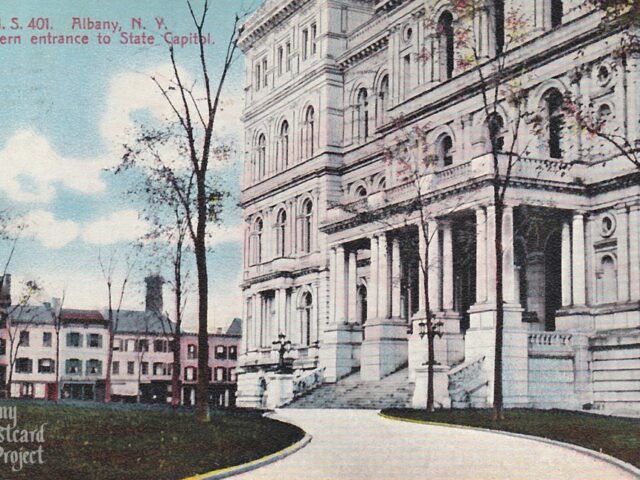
point(115, 301)
point(196, 120)
point(496, 82)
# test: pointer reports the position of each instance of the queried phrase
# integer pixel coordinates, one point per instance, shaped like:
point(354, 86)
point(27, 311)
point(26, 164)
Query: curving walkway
point(358, 444)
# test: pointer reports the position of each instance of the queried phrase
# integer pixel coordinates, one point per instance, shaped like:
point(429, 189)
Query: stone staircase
point(393, 391)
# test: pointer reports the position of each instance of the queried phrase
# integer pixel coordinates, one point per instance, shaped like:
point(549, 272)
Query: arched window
point(383, 99)
point(281, 233)
point(262, 156)
point(555, 119)
point(306, 310)
point(445, 150)
point(495, 125)
point(257, 235)
point(498, 25)
point(446, 42)
point(307, 222)
point(557, 11)
point(608, 287)
point(363, 115)
point(361, 191)
point(309, 131)
point(382, 184)
point(283, 147)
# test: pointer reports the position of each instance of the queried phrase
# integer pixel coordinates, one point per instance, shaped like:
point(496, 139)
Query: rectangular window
point(24, 365)
point(280, 60)
point(24, 338)
point(190, 373)
point(46, 339)
point(191, 352)
point(45, 365)
point(130, 368)
point(95, 340)
point(265, 76)
point(233, 353)
point(160, 346)
point(94, 367)
point(74, 339)
point(221, 352)
point(142, 345)
point(3, 346)
point(220, 377)
point(115, 368)
point(231, 375)
point(258, 76)
point(159, 369)
point(305, 44)
point(288, 61)
point(145, 368)
point(314, 33)
point(73, 366)
point(407, 74)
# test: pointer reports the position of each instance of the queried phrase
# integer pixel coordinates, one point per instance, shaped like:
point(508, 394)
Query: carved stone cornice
point(365, 52)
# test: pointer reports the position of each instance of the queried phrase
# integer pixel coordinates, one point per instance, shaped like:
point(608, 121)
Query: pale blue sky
point(63, 109)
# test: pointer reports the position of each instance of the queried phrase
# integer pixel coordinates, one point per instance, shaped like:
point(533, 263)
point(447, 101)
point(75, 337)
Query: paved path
point(358, 444)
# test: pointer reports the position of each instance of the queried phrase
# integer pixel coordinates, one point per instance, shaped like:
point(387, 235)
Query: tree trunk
point(107, 381)
point(498, 413)
point(175, 373)
point(202, 403)
point(57, 366)
point(431, 355)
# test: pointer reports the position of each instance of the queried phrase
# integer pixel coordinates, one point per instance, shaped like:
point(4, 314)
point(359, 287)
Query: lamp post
point(285, 347)
point(427, 328)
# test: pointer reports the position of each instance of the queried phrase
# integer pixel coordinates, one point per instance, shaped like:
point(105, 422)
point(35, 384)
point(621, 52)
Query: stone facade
point(332, 251)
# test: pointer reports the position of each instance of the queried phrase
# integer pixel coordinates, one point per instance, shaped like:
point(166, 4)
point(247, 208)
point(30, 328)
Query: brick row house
point(142, 353)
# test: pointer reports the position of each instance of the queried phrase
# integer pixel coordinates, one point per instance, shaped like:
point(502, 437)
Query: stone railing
point(548, 342)
point(306, 380)
point(467, 383)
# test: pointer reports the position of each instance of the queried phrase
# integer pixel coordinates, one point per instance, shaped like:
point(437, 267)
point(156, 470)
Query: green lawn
point(101, 443)
point(618, 437)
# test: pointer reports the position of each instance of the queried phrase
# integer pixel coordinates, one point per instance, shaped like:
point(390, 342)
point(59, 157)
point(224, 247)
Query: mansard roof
point(134, 321)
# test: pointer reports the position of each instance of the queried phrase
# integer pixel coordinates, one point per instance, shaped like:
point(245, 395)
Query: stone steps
point(352, 392)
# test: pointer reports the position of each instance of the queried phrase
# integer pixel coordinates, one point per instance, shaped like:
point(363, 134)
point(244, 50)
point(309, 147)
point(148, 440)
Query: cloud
point(224, 234)
point(31, 169)
point(122, 226)
point(49, 231)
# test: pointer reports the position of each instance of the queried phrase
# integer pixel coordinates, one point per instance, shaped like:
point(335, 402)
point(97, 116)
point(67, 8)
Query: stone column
point(340, 285)
point(508, 267)
point(447, 265)
point(579, 270)
point(282, 322)
point(332, 285)
point(257, 321)
point(622, 235)
point(634, 252)
point(372, 287)
point(481, 255)
point(353, 287)
point(383, 277)
point(395, 279)
point(566, 264)
point(491, 254)
point(433, 267)
point(422, 246)
point(277, 327)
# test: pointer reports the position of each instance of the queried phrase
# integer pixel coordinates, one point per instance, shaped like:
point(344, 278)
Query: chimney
point(154, 294)
point(5, 294)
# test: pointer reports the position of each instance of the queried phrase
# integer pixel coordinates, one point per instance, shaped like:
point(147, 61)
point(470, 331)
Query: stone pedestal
point(480, 340)
point(384, 349)
point(340, 350)
point(279, 390)
point(251, 389)
point(440, 387)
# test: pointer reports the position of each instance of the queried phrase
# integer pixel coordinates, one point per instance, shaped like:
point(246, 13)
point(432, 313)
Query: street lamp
point(285, 347)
